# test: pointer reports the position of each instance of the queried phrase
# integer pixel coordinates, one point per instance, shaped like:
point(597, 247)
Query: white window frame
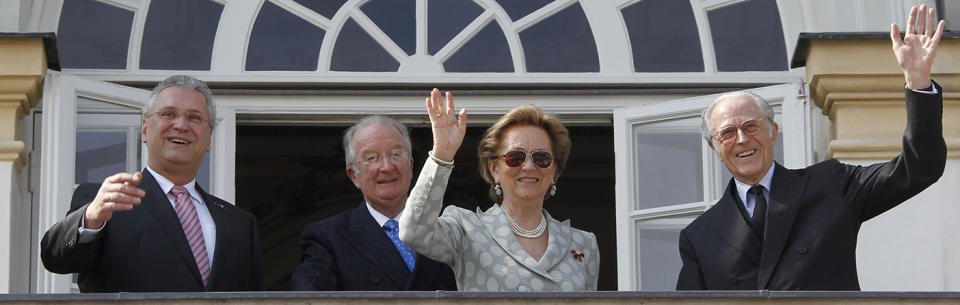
point(794, 117)
point(58, 147)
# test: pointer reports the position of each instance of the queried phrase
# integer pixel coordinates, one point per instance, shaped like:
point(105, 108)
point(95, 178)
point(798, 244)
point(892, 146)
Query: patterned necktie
point(191, 227)
point(408, 256)
point(759, 207)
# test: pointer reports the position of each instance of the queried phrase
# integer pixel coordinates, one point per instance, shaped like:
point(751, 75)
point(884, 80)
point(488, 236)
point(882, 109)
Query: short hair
point(756, 99)
point(367, 122)
point(188, 82)
point(529, 115)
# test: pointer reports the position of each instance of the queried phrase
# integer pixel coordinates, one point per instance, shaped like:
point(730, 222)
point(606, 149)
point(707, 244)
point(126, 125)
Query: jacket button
point(374, 278)
point(802, 250)
point(70, 244)
point(734, 280)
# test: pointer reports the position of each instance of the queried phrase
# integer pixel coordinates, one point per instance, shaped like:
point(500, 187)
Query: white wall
point(914, 246)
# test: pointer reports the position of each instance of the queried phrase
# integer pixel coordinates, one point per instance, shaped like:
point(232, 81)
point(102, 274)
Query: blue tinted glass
point(487, 51)
point(326, 8)
point(100, 154)
point(521, 8)
point(561, 43)
point(446, 18)
point(676, 50)
point(396, 18)
point(747, 36)
point(282, 41)
point(355, 50)
point(93, 35)
point(178, 34)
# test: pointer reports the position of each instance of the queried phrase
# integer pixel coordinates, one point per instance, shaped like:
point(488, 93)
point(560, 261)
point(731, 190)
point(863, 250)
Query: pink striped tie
point(192, 229)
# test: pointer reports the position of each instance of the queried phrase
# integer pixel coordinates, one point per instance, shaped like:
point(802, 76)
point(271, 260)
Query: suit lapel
point(224, 229)
point(558, 243)
point(786, 190)
point(495, 223)
point(732, 227)
point(423, 273)
point(159, 206)
point(370, 240)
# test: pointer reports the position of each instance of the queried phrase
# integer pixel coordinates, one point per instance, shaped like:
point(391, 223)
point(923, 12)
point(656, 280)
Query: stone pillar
point(23, 63)
point(855, 80)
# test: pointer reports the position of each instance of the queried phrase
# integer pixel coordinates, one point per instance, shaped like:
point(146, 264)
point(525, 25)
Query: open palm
point(916, 51)
point(448, 128)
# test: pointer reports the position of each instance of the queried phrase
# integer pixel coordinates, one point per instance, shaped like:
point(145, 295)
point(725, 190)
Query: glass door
point(89, 130)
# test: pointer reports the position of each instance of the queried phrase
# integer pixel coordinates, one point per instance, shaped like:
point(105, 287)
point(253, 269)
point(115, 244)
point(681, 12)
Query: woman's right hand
point(448, 127)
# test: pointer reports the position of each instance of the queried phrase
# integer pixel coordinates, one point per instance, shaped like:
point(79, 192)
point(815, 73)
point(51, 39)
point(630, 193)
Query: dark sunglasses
point(541, 159)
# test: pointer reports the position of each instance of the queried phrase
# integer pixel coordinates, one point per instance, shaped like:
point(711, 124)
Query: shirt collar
point(742, 188)
point(166, 184)
point(380, 218)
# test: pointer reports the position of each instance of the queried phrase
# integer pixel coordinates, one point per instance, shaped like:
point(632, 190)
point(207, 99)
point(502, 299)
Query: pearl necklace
point(531, 234)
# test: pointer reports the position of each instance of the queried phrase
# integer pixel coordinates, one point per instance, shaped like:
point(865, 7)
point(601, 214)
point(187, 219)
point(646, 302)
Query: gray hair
point(188, 82)
point(707, 113)
point(367, 122)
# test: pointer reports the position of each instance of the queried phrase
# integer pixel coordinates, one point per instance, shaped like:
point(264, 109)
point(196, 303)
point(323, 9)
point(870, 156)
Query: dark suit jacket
point(145, 249)
point(350, 251)
point(813, 217)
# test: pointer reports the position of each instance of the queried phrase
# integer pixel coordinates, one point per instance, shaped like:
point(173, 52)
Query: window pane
point(107, 142)
point(747, 36)
point(561, 43)
point(396, 18)
point(178, 34)
point(677, 50)
point(281, 41)
point(446, 18)
point(355, 50)
point(657, 252)
point(487, 51)
point(100, 154)
point(326, 8)
point(93, 35)
point(669, 163)
point(520, 8)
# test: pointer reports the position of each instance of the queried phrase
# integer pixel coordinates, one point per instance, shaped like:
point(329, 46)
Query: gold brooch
point(577, 254)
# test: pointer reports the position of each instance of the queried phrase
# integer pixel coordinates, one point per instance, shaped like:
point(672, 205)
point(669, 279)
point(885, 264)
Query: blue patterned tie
point(392, 230)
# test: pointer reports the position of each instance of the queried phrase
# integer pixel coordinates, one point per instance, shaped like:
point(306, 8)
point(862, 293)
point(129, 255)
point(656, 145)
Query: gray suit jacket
point(481, 247)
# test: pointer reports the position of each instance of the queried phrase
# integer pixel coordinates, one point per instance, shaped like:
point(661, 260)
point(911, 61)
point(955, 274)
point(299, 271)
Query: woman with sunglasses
point(515, 245)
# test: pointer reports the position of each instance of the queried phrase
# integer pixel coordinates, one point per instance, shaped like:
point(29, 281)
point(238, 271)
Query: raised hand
point(448, 127)
point(117, 193)
point(915, 52)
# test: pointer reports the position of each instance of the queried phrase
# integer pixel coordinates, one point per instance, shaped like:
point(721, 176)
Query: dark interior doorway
point(290, 176)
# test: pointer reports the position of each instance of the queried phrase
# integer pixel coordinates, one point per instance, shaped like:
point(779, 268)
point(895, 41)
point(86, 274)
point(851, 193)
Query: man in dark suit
point(158, 230)
point(781, 229)
point(360, 249)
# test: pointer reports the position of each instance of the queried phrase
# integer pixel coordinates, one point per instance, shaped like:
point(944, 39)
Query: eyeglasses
point(170, 115)
point(541, 158)
point(396, 157)
point(729, 132)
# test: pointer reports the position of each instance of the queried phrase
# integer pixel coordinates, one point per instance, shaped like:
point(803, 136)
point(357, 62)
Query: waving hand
point(448, 127)
point(915, 52)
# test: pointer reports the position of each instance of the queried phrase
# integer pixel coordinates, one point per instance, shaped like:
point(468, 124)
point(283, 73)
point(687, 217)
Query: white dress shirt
point(380, 218)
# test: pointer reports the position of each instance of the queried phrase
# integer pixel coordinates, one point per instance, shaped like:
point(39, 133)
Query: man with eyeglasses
point(782, 229)
point(158, 230)
point(360, 249)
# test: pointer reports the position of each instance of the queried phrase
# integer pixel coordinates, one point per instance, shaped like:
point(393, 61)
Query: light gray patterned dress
point(481, 247)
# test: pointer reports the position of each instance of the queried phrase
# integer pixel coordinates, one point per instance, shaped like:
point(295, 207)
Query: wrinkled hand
point(448, 128)
point(117, 193)
point(915, 52)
